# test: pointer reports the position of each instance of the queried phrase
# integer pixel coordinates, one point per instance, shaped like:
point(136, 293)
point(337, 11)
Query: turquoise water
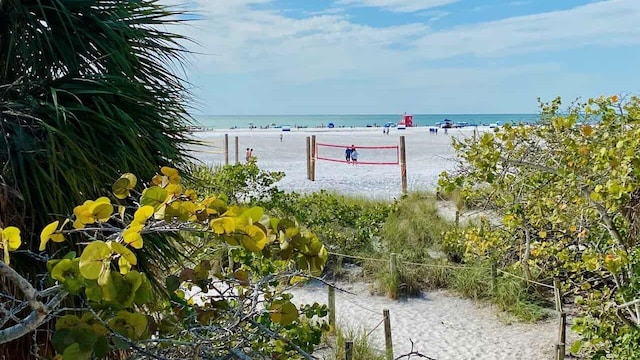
point(261, 121)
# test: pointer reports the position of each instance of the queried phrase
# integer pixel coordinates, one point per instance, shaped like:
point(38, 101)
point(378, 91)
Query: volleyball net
point(367, 155)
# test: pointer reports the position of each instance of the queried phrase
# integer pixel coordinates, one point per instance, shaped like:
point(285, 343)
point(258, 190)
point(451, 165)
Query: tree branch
point(40, 311)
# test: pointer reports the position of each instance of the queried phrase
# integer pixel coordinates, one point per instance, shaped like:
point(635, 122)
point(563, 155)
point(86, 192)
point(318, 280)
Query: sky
point(270, 57)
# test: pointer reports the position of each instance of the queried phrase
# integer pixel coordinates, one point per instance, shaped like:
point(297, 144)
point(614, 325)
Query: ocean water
point(263, 121)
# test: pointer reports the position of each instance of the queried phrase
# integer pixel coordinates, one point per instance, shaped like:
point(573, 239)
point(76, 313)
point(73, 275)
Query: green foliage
point(566, 191)
point(362, 348)
point(259, 247)
point(88, 92)
point(414, 227)
point(241, 183)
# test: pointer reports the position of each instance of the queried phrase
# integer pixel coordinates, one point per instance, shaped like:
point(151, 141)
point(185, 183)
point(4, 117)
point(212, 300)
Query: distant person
point(247, 155)
point(354, 156)
point(281, 136)
point(347, 154)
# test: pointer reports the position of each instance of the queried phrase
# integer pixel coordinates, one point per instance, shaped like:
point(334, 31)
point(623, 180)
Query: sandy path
point(442, 326)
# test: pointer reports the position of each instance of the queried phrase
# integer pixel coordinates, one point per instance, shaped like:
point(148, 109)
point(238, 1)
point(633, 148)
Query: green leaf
point(283, 312)
point(94, 260)
point(73, 352)
point(172, 282)
point(154, 196)
point(121, 188)
point(575, 348)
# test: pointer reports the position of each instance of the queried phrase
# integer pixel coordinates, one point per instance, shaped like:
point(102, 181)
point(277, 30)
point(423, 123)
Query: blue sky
point(419, 56)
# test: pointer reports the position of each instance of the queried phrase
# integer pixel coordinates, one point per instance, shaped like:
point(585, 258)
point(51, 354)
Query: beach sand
point(442, 325)
point(427, 156)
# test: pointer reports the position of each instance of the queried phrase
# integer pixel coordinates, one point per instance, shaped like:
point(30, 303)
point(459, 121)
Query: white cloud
point(271, 47)
point(603, 23)
point(399, 5)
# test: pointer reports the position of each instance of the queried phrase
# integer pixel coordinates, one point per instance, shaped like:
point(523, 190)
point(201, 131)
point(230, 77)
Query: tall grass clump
point(414, 227)
point(362, 348)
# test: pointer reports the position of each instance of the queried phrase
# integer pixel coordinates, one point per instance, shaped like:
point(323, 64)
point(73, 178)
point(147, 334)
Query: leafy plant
point(208, 296)
point(567, 192)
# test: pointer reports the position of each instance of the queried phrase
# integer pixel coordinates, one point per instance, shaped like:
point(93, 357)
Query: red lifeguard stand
point(407, 120)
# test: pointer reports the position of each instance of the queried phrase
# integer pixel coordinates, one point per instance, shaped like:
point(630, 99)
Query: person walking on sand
point(347, 154)
point(247, 155)
point(281, 136)
point(354, 156)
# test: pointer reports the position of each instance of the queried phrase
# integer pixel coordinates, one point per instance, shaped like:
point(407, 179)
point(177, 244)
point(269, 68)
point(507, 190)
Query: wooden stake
point(562, 336)
point(237, 151)
point(313, 157)
point(387, 334)
point(403, 165)
point(226, 149)
point(557, 295)
point(348, 350)
point(332, 309)
point(308, 158)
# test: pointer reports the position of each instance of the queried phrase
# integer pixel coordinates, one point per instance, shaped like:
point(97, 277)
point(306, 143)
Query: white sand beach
point(442, 325)
point(427, 156)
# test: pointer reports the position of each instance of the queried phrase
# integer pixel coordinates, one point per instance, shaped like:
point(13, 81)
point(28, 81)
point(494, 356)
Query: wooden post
point(226, 149)
point(403, 165)
point(348, 350)
point(237, 151)
point(494, 277)
point(332, 309)
point(457, 220)
point(387, 334)
point(557, 295)
point(313, 158)
point(308, 158)
point(562, 336)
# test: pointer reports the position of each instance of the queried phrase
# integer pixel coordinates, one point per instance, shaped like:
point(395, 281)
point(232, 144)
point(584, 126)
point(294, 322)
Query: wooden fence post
point(562, 336)
point(313, 157)
point(332, 309)
point(557, 295)
point(348, 350)
point(393, 269)
point(226, 149)
point(237, 151)
point(308, 158)
point(403, 165)
point(387, 335)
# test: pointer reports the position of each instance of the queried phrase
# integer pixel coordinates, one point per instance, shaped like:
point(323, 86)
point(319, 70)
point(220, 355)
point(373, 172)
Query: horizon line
point(365, 114)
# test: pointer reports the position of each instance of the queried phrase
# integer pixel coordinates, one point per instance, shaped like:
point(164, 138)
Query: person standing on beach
point(281, 136)
point(354, 156)
point(247, 156)
point(347, 154)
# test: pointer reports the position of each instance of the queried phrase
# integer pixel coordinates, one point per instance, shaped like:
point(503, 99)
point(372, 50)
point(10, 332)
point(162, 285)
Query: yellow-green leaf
point(283, 312)
point(223, 225)
point(94, 260)
point(143, 214)
point(255, 238)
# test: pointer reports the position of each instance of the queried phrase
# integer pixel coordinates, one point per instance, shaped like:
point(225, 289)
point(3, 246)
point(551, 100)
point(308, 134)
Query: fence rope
point(521, 278)
point(357, 257)
point(374, 329)
point(442, 266)
point(360, 306)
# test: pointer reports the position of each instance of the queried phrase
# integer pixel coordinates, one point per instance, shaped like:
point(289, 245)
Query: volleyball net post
point(226, 149)
point(237, 151)
point(308, 158)
point(314, 155)
point(403, 165)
